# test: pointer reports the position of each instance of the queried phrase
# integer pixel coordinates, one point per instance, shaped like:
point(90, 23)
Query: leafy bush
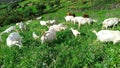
point(2, 19)
point(54, 3)
point(12, 19)
point(12, 6)
point(27, 12)
point(57, 2)
point(40, 7)
point(51, 4)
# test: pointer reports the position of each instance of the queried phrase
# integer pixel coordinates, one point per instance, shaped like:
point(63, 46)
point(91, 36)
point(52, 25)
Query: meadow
point(67, 51)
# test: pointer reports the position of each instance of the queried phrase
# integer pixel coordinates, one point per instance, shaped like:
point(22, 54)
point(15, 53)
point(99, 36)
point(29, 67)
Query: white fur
point(108, 36)
point(110, 22)
point(14, 39)
point(38, 18)
point(49, 36)
point(21, 25)
point(43, 23)
point(58, 27)
point(75, 32)
point(28, 22)
point(51, 22)
point(83, 21)
point(35, 36)
point(8, 30)
point(76, 19)
point(18, 23)
point(69, 18)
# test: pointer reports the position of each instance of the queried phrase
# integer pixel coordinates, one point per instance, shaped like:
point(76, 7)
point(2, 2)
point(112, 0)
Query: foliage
point(12, 5)
point(27, 10)
point(40, 7)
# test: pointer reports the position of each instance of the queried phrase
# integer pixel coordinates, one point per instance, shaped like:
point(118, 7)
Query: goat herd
point(14, 37)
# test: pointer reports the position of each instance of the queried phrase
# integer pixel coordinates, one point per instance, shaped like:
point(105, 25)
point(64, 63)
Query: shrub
point(51, 4)
point(27, 12)
point(57, 2)
point(40, 7)
point(12, 6)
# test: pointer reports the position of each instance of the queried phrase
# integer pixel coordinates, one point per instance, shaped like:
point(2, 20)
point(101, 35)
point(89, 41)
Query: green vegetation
point(67, 51)
point(25, 10)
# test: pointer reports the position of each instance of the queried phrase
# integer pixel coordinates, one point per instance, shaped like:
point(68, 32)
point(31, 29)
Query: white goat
point(28, 22)
point(83, 21)
point(108, 36)
point(49, 36)
point(44, 23)
point(14, 39)
point(38, 18)
point(35, 36)
point(110, 22)
point(51, 22)
point(69, 18)
point(21, 25)
point(17, 24)
point(75, 32)
point(58, 27)
point(76, 19)
point(8, 30)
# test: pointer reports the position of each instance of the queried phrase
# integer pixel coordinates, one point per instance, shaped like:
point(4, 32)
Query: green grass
point(67, 51)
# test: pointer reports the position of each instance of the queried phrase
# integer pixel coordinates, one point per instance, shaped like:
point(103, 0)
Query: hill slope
point(6, 1)
point(67, 51)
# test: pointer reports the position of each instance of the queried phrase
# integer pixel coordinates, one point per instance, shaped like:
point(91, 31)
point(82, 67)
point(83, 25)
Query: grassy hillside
point(6, 1)
point(67, 51)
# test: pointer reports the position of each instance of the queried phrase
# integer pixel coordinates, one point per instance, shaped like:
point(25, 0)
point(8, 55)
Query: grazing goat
point(44, 23)
point(28, 22)
point(75, 32)
point(51, 22)
point(76, 19)
point(14, 39)
point(69, 18)
point(58, 27)
point(108, 36)
point(85, 20)
point(38, 18)
point(110, 22)
point(10, 29)
point(49, 36)
point(21, 25)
